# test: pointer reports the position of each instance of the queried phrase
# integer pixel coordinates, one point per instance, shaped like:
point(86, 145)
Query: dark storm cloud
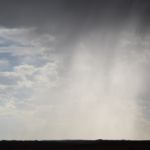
point(82, 54)
point(74, 16)
point(70, 20)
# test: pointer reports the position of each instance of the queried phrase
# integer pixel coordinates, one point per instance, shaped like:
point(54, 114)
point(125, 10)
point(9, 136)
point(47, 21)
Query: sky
point(74, 69)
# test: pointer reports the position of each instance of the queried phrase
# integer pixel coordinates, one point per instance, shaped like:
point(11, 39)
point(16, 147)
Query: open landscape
point(76, 145)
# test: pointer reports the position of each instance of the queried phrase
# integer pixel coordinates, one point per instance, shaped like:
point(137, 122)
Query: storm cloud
point(74, 69)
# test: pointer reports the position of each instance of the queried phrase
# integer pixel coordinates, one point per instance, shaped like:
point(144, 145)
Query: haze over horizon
point(74, 69)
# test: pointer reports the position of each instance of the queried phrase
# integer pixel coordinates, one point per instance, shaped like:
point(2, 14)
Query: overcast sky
point(74, 69)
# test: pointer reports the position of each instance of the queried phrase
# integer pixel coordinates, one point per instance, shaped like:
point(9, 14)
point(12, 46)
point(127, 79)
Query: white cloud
point(25, 80)
point(25, 42)
point(94, 96)
point(4, 63)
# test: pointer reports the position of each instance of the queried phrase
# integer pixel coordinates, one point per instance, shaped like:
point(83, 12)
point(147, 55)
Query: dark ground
point(75, 145)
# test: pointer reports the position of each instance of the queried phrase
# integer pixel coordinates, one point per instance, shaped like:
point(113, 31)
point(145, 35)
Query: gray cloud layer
point(74, 69)
point(74, 16)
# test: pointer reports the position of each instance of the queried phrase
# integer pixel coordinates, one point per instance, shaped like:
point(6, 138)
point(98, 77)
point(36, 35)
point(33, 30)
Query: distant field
point(75, 145)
